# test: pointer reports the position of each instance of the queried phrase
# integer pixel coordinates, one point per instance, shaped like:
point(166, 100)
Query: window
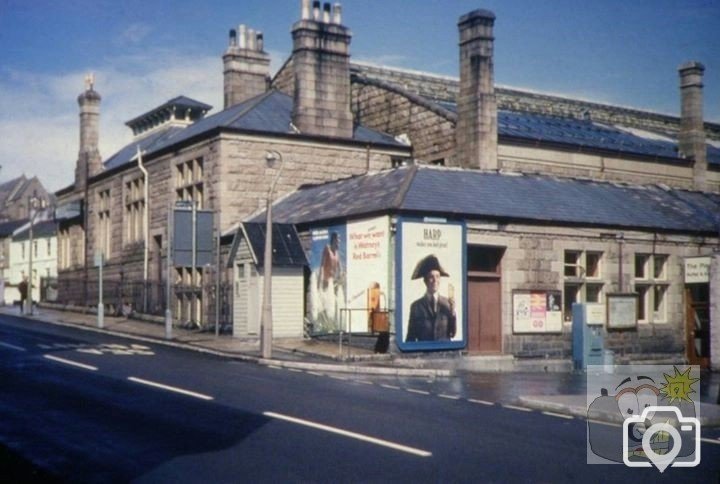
point(651, 286)
point(189, 182)
point(35, 248)
point(583, 273)
point(104, 225)
point(49, 247)
point(134, 210)
point(63, 249)
point(22, 249)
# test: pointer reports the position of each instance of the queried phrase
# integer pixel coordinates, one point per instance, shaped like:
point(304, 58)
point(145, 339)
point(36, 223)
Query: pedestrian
point(23, 288)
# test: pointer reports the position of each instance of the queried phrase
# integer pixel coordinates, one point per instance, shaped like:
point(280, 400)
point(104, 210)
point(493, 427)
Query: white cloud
point(135, 33)
point(39, 112)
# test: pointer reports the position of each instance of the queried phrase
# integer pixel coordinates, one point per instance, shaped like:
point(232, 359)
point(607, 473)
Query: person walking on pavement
point(23, 288)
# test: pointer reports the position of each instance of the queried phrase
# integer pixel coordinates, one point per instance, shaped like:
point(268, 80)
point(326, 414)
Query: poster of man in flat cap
point(431, 285)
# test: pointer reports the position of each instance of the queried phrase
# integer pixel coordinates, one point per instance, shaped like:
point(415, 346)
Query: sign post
point(101, 306)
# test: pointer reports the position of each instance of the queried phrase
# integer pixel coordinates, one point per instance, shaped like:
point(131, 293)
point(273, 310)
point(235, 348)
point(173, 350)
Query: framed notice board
point(622, 311)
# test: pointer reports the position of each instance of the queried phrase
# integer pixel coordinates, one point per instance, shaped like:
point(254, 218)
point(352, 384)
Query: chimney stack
point(246, 66)
point(89, 162)
point(691, 139)
point(321, 63)
point(476, 129)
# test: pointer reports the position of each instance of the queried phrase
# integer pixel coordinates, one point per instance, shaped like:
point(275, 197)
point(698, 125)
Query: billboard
point(348, 263)
point(431, 285)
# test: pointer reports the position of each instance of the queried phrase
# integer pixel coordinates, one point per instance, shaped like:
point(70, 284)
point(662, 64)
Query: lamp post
point(33, 206)
point(271, 158)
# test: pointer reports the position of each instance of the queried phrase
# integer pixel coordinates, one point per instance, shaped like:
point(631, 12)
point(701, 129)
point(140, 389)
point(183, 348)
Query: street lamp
point(34, 206)
point(272, 158)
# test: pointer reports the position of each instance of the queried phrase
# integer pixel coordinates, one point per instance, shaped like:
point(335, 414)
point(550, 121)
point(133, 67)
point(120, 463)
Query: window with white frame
point(583, 281)
point(134, 210)
point(651, 285)
point(189, 182)
point(104, 225)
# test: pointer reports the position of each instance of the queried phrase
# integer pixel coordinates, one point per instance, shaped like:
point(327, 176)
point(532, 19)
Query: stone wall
point(715, 312)
point(534, 260)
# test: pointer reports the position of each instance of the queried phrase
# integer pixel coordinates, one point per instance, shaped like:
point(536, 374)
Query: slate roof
point(586, 133)
point(287, 249)
point(473, 194)
point(43, 228)
point(7, 228)
point(270, 112)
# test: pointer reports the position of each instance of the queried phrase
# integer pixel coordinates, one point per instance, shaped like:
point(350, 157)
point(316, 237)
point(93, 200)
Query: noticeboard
point(537, 312)
point(622, 311)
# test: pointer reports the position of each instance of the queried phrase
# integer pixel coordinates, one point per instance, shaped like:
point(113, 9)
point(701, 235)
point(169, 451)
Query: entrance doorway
point(484, 299)
point(697, 324)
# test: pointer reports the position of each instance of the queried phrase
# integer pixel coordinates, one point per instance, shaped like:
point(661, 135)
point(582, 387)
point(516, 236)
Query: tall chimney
point(246, 66)
point(321, 63)
point(89, 162)
point(691, 139)
point(476, 129)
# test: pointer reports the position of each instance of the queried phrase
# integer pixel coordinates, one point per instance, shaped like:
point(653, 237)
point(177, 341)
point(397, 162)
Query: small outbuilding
point(248, 267)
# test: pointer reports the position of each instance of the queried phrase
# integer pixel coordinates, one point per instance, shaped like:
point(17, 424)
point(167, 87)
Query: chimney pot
point(260, 41)
point(242, 37)
point(337, 14)
point(251, 40)
point(316, 10)
point(233, 38)
point(326, 13)
point(305, 11)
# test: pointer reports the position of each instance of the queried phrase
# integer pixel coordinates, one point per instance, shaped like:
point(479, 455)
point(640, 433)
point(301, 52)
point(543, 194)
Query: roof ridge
point(405, 187)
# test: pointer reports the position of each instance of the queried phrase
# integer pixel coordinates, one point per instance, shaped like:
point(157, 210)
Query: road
point(88, 407)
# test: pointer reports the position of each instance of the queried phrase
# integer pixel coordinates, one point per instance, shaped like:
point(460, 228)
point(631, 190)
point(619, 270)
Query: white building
point(44, 258)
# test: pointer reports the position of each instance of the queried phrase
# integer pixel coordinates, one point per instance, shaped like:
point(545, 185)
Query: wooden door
point(484, 315)
point(697, 324)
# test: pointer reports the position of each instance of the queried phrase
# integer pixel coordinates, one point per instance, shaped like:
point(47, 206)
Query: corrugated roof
point(476, 194)
point(270, 112)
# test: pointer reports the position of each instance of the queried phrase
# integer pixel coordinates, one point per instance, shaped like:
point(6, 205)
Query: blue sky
point(146, 52)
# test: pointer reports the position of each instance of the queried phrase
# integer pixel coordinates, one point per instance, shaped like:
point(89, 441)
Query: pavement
point(338, 357)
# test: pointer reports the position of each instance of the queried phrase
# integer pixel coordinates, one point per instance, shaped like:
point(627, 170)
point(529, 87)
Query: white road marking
point(481, 402)
point(601, 422)
point(449, 397)
point(12, 347)
point(513, 407)
point(710, 441)
point(559, 415)
point(364, 382)
point(335, 377)
point(70, 362)
point(169, 388)
point(391, 387)
point(274, 367)
point(315, 373)
point(295, 370)
point(352, 435)
point(419, 392)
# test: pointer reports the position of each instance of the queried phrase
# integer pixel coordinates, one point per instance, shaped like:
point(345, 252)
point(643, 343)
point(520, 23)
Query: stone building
point(120, 206)
point(327, 118)
point(16, 195)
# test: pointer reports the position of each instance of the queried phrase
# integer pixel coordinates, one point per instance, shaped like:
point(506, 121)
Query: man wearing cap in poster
point(432, 317)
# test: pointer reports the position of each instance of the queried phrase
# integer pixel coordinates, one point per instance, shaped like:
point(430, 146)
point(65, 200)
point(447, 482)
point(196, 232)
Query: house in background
point(8, 285)
point(15, 197)
point(43, 251)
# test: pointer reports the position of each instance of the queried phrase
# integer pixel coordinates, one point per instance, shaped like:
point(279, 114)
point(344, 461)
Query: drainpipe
point(146, 223)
